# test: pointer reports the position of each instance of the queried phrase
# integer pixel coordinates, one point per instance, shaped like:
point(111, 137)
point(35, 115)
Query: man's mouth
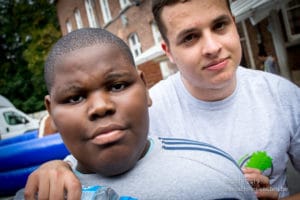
point(216, 65)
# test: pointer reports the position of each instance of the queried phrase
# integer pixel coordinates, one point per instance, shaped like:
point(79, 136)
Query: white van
point(14, 122)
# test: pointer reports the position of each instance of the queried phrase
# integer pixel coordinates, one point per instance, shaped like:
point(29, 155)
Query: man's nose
point(210, 44)
point(100, 105)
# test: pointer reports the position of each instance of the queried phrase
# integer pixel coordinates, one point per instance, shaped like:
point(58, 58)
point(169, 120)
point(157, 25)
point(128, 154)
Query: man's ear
point(149, 100)
point(166, 49)
point(233, 17)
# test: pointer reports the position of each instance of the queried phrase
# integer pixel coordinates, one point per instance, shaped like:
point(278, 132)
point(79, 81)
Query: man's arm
point(292, 197)
point(262, 187)
point(53, 180)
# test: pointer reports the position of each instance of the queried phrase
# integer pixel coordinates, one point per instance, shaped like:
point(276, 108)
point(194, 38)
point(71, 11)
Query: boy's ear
point(51, 128)
point(47, 102)
point(166, 49)
point(149, 100)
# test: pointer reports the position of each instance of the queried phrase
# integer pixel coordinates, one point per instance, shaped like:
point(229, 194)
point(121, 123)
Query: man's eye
point(118, 87)
point(220, 26)
point(189, 38)
point(76, 99)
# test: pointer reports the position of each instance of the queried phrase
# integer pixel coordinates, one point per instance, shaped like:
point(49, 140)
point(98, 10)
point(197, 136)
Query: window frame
point(106, 13)
point(155, 33)
point(78, 18)
point(91, 14)
point(287, 23)
point(135, 45)
point(69, 26)
point(124, 3)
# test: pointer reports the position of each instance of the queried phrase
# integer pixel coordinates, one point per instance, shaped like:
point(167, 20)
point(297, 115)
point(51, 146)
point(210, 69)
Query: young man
point(99, 103)
point(215, 100)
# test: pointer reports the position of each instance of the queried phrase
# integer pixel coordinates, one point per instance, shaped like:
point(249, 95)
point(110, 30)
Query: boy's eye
point(76, 99)
point(118, 87)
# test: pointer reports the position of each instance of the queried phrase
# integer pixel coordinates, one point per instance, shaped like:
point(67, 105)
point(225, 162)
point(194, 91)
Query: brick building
point(273, 23)
point(130, 20)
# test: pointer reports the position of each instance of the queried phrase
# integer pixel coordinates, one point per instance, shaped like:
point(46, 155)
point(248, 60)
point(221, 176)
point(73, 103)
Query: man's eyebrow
point(221, 18)
point(191, 30)
point(185, 32)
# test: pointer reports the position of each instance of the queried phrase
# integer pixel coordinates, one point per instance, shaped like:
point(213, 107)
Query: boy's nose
point(100, 105)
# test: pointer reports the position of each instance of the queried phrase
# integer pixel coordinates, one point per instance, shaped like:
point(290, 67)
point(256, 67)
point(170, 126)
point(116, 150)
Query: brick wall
point(139, 21)
point(152, 72)
point(65, 10)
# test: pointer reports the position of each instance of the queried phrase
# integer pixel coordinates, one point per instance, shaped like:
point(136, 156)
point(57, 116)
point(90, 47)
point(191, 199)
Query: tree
point(28, 29)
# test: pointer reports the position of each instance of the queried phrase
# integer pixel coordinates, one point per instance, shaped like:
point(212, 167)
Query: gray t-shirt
point(177, 169)
point(174, 169)
point(263, 114)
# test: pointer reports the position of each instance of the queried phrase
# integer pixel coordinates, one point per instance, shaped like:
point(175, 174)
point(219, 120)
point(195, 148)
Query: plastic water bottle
point(101, 193)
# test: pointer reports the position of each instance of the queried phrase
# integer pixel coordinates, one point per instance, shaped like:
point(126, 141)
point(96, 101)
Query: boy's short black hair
point(158, 5)
point(79, 39)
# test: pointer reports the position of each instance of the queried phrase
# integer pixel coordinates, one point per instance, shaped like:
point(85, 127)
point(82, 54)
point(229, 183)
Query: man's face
point(99, 104)
point(203, 43)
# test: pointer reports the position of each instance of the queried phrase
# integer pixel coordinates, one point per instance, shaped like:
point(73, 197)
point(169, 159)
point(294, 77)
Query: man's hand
point(53, 180)
point(260, 184)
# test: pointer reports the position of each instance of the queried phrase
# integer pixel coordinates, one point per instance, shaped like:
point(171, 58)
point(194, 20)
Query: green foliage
point(260, 160)
point(28, 30)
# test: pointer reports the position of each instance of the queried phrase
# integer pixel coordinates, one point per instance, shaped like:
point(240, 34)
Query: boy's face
point(203, 42)
point(99, 104)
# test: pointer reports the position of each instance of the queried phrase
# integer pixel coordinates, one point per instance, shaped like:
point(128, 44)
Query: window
point(105, 10)
point(164, 69)
point(291, 15)
point(167, 68)
point(13, 118)
point(90, 13)
point(78, 18)
point(135, 45)
point(124, 3)
point(156, 33)
point(69, 26)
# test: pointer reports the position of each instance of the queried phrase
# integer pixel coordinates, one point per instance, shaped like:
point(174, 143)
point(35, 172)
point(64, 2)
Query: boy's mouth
point(107, 135)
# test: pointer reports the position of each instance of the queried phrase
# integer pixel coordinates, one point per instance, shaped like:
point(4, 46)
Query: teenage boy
point(99, 104)
point(215, 100)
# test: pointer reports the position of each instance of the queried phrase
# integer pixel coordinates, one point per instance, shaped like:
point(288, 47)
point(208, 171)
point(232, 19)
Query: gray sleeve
point(19, 195)
point(71, 161)
point(290, 99)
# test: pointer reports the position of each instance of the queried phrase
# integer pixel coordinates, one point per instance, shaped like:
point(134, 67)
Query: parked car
point(14, 122)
